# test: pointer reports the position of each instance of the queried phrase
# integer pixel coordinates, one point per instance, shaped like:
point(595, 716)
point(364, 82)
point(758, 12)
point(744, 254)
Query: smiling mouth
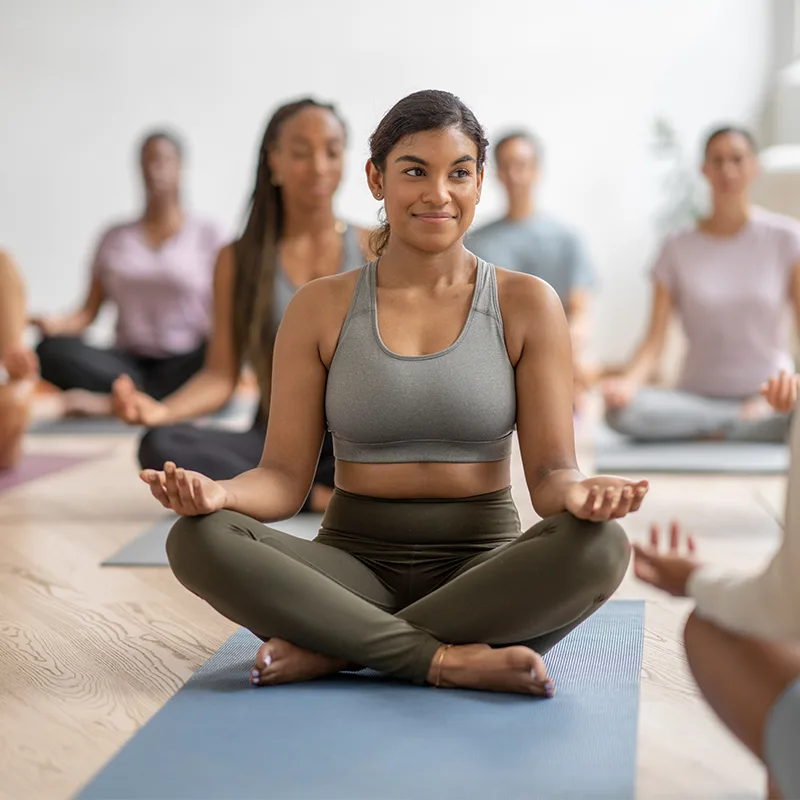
point(434, 217)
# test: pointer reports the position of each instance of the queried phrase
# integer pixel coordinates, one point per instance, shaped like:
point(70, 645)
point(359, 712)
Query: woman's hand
point(619, 392)
point(781, 391)
point(189, 494)
point(667, 569)
point(135, 407)
point(605, 497)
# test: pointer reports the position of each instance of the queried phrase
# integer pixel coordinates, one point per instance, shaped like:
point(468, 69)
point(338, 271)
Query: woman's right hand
point(135, 407)
point(781, 392)
point(187, 493)
point(619, 392)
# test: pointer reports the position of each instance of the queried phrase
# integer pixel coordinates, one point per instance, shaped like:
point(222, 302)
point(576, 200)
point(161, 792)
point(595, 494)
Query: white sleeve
point(766, 604)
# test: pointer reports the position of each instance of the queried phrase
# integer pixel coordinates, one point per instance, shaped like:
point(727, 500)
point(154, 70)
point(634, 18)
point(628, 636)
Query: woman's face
point(161, 168)
point(308, 157)
point(730, 164)
point(430, 186)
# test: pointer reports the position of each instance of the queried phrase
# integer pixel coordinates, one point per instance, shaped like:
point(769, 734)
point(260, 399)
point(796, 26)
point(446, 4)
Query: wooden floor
point(88, 654)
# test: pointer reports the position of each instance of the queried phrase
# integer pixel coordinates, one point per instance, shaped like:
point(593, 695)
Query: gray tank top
point(284, 291)
point(457, 405)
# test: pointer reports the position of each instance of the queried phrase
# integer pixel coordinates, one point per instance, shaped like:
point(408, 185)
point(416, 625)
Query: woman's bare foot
point(82, 403)
point(505, 669)
point(279, 661)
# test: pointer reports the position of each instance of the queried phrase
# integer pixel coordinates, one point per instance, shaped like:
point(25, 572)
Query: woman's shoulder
point(521, 293)
point(774, 222)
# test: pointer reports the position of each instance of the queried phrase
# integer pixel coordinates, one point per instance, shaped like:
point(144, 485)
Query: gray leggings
point(657, 414)
point(386, 582)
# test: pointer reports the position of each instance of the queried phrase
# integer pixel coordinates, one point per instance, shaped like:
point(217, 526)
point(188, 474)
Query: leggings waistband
point(490, 517)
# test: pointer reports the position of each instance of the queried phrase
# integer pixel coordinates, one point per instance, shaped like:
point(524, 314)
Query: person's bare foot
point(505, 669)
point(82, 403)
point(279, 661)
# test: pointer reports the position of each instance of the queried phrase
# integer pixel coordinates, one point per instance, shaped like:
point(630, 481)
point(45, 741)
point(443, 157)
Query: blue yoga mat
point(362, 737)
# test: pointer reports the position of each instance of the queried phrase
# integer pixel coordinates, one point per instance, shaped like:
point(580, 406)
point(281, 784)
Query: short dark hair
point(428, 110)
point(722, 130)
point(167, 136)
point(519, 133)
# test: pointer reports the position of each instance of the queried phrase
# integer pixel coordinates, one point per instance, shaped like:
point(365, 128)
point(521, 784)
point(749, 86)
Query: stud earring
point(378, 195)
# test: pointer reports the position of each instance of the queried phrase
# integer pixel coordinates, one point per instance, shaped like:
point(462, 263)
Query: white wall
point(80, 80)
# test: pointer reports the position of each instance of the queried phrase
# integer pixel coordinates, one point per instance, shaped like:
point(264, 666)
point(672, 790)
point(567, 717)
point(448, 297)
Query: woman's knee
point(191, 546)
point(599, 552)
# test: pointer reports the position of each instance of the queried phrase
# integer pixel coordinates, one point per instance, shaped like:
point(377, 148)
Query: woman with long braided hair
point(292, 236)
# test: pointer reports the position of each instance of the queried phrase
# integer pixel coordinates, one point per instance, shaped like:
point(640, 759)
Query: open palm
point(605, 497)
point(187, 493)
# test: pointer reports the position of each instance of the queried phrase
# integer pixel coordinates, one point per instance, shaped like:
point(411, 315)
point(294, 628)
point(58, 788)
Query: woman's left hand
point(668, 570)
point(605, 497)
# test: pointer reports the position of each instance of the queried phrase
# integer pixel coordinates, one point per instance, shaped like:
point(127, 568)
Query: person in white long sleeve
point(743, 638)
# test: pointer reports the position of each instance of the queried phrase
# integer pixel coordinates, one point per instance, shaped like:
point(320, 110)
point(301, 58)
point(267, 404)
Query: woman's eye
point(462, 173)
point(415, 172)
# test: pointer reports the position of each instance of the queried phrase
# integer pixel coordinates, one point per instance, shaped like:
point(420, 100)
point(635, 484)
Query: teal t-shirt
point(540, 246)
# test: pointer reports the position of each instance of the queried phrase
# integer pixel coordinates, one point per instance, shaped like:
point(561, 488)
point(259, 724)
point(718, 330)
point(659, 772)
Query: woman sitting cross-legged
point(422, 363)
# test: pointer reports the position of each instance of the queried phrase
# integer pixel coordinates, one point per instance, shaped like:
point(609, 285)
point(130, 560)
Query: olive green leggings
point(386, 582)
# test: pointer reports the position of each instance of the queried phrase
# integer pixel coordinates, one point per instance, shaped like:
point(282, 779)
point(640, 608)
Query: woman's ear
point(374, 180)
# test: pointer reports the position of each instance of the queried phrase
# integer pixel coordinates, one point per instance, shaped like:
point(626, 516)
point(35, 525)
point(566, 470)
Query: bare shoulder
point(527, 297)
point(324, 301)
point(226, 262)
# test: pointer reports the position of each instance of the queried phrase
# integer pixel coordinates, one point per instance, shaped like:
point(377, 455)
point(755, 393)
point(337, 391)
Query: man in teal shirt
point(527, 240)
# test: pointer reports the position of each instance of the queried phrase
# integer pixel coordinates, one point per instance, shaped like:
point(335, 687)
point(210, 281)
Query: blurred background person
point(157, 271)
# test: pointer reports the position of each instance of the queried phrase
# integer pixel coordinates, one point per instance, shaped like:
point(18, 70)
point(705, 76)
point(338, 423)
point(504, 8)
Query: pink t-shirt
point(163, 296)
point(732, 296)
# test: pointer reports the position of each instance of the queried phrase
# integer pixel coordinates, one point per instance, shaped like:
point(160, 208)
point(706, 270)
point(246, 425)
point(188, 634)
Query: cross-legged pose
point(734, 281)
point(292, 236)
point(422, 364)
point(743, 639)
point(157, 272)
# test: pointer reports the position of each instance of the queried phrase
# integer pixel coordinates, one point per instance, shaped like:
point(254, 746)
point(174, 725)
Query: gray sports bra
point(457, 405)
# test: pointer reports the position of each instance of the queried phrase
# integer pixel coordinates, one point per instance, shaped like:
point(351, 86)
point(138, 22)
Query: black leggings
point(69, 363)
point(219, 454)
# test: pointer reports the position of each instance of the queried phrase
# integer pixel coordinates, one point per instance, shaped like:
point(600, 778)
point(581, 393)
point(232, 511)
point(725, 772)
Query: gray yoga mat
point(147, 550)
point(614, 453)
point(361, 737)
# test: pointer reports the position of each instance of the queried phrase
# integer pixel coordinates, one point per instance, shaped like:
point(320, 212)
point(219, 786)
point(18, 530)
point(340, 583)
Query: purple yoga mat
point(37, 465)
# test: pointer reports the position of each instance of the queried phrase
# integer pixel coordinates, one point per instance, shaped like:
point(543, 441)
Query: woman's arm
point(544, 389)
point(209, 389)
point(794, 294)
point(538, 341)
point(278, 487)
point(645, 360)
point(578, 319)
point(76, 323)
point(12, 304)
point(214, 385)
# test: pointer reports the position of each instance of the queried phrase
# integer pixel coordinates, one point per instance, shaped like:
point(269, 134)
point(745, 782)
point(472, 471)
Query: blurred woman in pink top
point(157, 270)
point(733, 280)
